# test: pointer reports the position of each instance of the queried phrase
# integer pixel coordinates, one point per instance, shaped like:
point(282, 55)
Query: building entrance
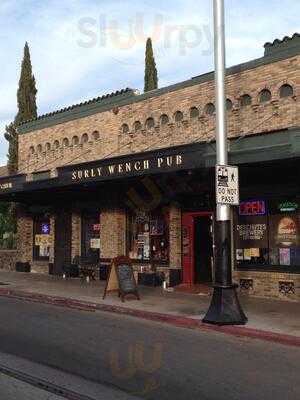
point(197, 247)
point(63, 241)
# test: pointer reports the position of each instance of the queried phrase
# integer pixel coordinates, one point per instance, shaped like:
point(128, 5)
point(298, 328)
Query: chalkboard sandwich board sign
point(121, 278)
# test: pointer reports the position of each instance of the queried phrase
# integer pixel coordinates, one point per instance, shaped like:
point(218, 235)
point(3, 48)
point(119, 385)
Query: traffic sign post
point(225, 308)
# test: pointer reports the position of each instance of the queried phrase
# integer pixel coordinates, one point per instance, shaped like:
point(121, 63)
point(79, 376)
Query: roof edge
point(130, 96)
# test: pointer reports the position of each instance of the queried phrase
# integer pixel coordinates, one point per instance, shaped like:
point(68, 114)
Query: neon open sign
point(252, 207)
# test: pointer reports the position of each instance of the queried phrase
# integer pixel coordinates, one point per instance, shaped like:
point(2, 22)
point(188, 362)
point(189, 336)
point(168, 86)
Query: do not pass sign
point(227, 185)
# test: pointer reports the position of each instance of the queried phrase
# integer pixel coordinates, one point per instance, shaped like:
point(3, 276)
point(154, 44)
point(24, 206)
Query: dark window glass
point(41, 238)
point(137, 126)
point(229, 105)
point(150, 123)
point(269, 240)
point(194, 112)
point(56, 144)
point(96, 135)
point(210, 109)
point(164, 119)
point(178, 116)
point(84, 138)
point(286, 91)
point(125, 129)
point(75, 140)
point(148, 236)
point(246, 100)
point(48, 146)
point(66, 142)
point(264, 96)
point(39, 148)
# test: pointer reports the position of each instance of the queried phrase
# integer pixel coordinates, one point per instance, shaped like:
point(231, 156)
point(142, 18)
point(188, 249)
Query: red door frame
point(188, 246)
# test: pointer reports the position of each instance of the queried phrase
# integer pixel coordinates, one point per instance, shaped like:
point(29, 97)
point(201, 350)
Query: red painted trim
point(179, 321)
point(188, 262)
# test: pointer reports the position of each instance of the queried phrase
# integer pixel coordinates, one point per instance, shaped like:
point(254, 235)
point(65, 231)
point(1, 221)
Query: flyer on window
point(284, 256)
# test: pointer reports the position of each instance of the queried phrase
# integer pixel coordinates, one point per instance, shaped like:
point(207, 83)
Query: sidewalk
point(268, 319)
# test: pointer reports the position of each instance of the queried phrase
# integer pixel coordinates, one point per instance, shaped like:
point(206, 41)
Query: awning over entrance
point(243, 150)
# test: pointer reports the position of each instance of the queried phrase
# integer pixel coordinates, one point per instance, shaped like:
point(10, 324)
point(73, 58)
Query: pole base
point(225, 308)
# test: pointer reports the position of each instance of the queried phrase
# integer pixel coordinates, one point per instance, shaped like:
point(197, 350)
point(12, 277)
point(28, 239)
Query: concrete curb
point(178, 321)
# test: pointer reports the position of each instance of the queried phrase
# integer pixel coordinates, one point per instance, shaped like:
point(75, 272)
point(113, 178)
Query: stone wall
point(25, 238)
point(175, 236)
point(113, 233)
point(76, 234)
point(104, 130)
point(275, 285)
point(8, 259)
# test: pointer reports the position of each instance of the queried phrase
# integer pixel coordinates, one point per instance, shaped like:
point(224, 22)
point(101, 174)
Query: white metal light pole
point(225, 307)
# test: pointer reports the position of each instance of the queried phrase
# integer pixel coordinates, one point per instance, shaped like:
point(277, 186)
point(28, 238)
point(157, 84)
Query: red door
point(188, 248)
point(188, 240)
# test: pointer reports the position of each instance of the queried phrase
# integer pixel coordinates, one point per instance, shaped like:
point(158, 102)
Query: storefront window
point(148, 236)
point(42, 238)
point(267, 234)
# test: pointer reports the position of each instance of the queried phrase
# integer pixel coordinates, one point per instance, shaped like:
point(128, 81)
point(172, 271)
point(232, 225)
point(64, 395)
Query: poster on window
point(284, 230)
point(251, 232)
point(95, 243)
point(284, 256)
point(43, 240)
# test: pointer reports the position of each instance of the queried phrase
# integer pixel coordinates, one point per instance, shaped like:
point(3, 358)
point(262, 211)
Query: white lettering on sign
point(227, 185)
point(128, 167)
point(6, 185)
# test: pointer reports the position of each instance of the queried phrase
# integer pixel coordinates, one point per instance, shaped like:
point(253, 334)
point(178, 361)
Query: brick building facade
point(132, 173)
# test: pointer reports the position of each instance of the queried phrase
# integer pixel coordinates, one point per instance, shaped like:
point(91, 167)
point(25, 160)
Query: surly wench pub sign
point(129, 167)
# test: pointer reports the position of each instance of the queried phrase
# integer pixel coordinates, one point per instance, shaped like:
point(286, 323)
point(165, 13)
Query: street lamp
point(225, 308)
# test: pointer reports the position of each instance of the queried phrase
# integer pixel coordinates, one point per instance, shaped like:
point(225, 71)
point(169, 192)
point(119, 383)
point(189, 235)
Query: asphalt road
point(149, 359)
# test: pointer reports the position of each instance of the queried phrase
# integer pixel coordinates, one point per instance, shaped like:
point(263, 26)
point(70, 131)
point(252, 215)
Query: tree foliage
point(27, 109)
point(151, 79)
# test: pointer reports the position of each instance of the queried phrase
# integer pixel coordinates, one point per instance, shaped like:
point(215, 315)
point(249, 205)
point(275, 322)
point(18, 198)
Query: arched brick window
point(210, 109)
point(245, 100)
point(178, 116)
point(56, 144)
point(96, 135)
point(39, 148)
point(31, 150)
point(164, 119)
point(137, 126)
point(75, 140)
point(286, 91)
point(194, 112)
point(47, 146)
point(229, 105)
point(125, 129)
point(84, 138)
point(265, 95)
point(150, 123)
point(66, 142)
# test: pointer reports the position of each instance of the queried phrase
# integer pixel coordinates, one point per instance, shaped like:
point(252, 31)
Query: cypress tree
point(26, 94)
point(27, 109)
point(151, 80)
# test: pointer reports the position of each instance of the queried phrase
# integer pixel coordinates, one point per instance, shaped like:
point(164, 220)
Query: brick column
point(76, 234)
point(24, 238)
point(112, 233)
point(175, 236)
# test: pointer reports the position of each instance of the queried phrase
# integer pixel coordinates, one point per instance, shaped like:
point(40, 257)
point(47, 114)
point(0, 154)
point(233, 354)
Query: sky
point(83, 49)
